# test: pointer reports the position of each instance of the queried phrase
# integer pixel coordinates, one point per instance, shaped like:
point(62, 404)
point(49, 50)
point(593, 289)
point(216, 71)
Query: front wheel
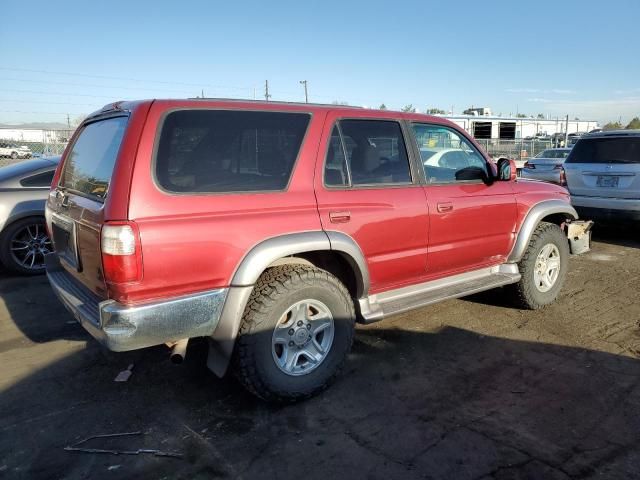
point(14, 155)
point(296, 332)
point(543, 267)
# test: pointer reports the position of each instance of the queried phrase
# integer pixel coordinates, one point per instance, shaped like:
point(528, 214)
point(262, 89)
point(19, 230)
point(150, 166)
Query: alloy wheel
point(302, 338)
point(29, 245)
point(547, 268)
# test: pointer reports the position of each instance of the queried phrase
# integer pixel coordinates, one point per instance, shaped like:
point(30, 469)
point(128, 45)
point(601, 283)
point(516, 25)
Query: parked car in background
point(547, 165)
point(573, 138)
point(24, 188)
point(603, 174)
point(271, 228)
point(13, 151)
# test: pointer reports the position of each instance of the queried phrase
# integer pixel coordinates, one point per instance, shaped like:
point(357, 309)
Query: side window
point(335, 167)
point(220, 151)
point(43, 179)
point(447, 156)
point(367, 152)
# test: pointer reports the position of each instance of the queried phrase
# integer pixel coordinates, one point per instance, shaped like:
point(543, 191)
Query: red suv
point(271, 228)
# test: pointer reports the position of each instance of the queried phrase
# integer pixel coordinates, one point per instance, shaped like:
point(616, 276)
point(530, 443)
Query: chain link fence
point(515, 149)
point(18, 144)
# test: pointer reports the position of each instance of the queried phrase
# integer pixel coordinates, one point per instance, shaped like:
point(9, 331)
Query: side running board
point(381, 305)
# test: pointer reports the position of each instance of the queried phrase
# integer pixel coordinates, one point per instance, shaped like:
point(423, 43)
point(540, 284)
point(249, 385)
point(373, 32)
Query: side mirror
point(472, 173)
point(507, 170)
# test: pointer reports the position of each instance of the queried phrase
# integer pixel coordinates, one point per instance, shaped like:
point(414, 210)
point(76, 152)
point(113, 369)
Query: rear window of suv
point(606, 150)
point(218, 151)
point(89, 165)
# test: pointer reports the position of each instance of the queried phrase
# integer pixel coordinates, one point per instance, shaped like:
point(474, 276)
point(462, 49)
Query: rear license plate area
point(64, 241)
point(607, 181)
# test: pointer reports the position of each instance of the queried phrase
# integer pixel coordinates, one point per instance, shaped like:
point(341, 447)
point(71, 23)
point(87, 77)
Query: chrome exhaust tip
point(178, 351)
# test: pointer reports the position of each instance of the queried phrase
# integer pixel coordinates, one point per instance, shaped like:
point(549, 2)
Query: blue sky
point(550, 57)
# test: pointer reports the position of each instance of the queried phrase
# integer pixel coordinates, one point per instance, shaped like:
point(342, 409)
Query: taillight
point(528, 165)
point(563, 177)
point(121, 253)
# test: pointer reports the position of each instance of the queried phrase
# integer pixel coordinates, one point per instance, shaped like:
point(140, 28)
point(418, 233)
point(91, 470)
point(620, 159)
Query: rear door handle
point(445, 207)
point(339, 217)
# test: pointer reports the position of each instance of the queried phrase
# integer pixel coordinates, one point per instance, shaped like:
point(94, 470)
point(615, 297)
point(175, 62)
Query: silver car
point(546, 166)
point(24, 187)
point(603, 174)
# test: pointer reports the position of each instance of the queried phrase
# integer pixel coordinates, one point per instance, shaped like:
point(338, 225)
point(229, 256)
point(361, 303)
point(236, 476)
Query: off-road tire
point(526, 294)
point(276, 290)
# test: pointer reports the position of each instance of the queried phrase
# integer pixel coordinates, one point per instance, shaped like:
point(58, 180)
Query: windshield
point(553, 154)
point(606, 150)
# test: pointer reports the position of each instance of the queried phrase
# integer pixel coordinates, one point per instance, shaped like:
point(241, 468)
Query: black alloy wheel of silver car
point(296, 332)
point(23, 246)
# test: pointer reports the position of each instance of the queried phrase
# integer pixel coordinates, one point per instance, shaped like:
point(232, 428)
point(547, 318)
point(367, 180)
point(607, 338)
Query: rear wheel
point(14, 155)
point(543, 267)
point(23, 246)
point(296, 332)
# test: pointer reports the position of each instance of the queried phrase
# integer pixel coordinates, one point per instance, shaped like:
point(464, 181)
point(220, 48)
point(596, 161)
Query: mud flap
point(579, 235)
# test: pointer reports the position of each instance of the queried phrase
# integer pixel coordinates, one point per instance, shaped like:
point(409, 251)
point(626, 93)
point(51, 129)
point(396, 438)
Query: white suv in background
point(603, 174)
point(13, 151)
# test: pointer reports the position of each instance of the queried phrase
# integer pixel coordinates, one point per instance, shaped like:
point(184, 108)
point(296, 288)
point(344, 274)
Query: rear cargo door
point(77, 202)
point(605, 167)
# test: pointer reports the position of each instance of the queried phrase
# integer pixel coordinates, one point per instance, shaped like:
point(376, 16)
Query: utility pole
point(566, 132)
point(306, 95)
point(266, 90)
point(68, 121)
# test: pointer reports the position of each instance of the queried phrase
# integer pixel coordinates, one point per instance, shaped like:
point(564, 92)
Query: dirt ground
point(466, 389)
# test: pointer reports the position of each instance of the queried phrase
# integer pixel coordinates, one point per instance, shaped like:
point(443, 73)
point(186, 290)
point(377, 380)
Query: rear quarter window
point(89, 165)
point(42, 179)
point(221, 151)
point(606, 150)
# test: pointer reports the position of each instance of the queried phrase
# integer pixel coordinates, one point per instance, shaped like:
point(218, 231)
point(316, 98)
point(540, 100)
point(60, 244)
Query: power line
point(127, 79)
point(71, 84)
point(33, 92)
point(37, 102)
point(39, 113)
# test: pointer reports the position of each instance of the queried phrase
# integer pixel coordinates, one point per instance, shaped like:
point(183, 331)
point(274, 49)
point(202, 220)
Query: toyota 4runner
point(271, 228)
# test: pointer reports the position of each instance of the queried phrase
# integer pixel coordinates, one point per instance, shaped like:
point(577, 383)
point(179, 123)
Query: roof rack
point(251, 100)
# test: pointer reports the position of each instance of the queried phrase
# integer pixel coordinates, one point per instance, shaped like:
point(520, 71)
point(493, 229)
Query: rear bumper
point(129, 327)
point(606, 207)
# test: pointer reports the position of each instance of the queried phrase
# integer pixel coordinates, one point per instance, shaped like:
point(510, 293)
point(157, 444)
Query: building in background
point(515, 128)
point(478, 112)
point(40, 141)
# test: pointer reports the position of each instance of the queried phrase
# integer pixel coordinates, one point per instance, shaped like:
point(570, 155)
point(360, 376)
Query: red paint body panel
point(195, 242)
point(476, 231)
point(192, 242)
point(389, 224)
